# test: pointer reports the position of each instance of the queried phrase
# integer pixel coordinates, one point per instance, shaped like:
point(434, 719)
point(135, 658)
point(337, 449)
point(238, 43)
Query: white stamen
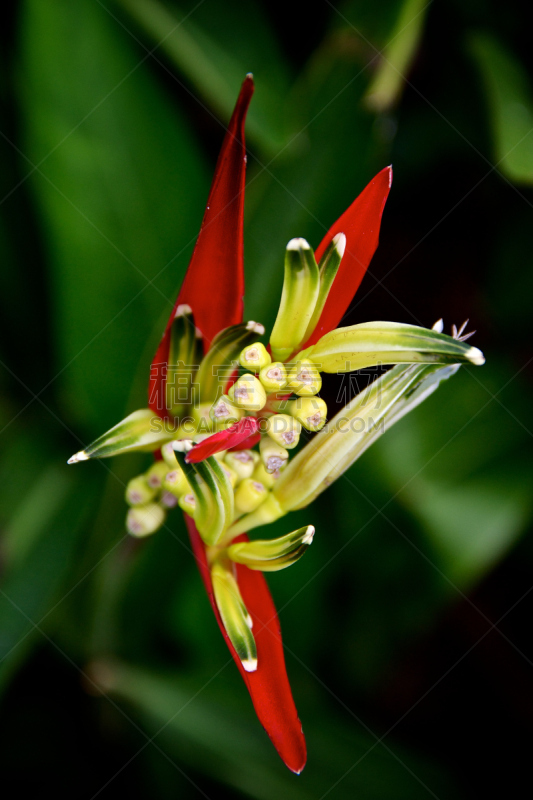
point(256, 327)
point(182, 445)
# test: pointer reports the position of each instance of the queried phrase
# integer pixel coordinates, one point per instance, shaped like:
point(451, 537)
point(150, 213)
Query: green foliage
point(111, 115)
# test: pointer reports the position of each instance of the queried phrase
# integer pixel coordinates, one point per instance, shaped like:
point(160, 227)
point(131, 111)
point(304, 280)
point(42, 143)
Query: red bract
point(236, 436)
point(218, 251)
point(218, 261)
point(360, 224)
point(268, 686)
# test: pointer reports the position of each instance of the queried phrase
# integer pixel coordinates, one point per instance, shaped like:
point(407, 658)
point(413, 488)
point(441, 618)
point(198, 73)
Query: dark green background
point(407, 625)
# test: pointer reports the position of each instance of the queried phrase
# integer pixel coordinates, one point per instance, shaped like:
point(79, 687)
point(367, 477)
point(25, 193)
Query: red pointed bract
point(214, 283)
point(228, 439)
point(248, 443)
point(268, 686)
point(360, 223)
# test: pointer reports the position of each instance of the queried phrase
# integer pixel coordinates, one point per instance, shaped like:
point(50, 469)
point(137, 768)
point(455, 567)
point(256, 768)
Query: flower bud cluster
point(283, 399)
point(164, 486)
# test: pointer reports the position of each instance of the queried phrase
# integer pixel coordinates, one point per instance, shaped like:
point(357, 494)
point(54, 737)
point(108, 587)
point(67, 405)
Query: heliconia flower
point(216, 393)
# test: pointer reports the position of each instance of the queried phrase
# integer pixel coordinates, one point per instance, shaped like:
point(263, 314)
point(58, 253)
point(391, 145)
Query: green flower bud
point(230, 473)
point(202, 418)
point(221, 360)
point(168, 500)
point(372, 343)
point(235, 616)
point(273, 455)
point(143, 430)
point(284, 430)
point(169, 456)
point(144, 520)
point(176, 482)
point(242, 462)
point(182, 363)
point(213, 492)
point(249, 495)
point(304, 379)
point(254, 357)
point(298, 299)
point(268, 479)
point(138, 492)
point(269, 511)
point(329, 265)
point(156, 474)
point(270, 555)
point(187, 503)
point(273, 376)
point(247, 392)
point(310, 411)
point(224, 412)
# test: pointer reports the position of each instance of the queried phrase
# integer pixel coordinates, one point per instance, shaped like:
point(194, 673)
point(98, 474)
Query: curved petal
point(360, 223)
point(228, 439)
point(268, 686)
point(248, 443)
point(214, 283)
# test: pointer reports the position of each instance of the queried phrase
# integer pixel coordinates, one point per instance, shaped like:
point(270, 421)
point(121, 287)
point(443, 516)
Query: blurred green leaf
point(473, 526)
point(510, 103)
point(41, 502)
point(466, 479)
point(212, 48)
point(209, 732)
point(42, 561)
point(397, 57)
point(120, 186)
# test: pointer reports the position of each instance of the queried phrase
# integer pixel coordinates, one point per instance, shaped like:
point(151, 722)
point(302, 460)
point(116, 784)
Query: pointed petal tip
point(298, 244)
point(183, 309)
point(476, 356)
point(297, 760)
point(247, 87)
point(81, 456)
point(308, 537)
point(339, 240)
point(300, 769)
